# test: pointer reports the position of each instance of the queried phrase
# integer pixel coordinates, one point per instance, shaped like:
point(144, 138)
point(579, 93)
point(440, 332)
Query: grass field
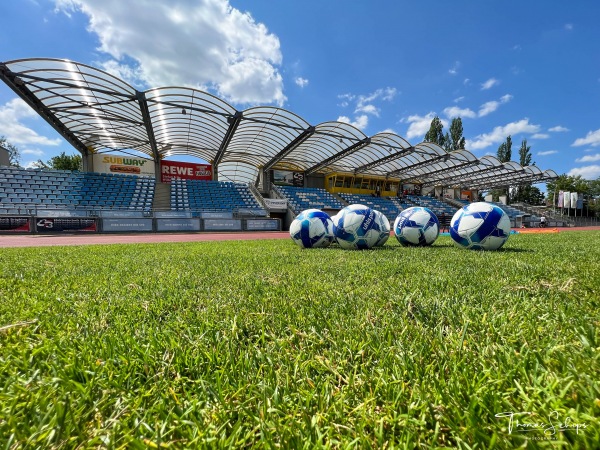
point(261, 344)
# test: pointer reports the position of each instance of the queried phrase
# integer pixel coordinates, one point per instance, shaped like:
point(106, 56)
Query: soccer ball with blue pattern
point(480, 226)
point(312, 229)
point(384, 228)
point(416, 226)
point(356, 228)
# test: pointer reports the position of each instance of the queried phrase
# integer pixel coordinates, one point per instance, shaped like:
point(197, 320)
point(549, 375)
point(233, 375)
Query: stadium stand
point(437, 206)
point(384, 205)
point(513, 213)
point(214, 196)
point(23, 191)
point(301, 198)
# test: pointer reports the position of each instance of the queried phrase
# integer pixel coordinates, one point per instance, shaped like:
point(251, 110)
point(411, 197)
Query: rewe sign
point(176, 170)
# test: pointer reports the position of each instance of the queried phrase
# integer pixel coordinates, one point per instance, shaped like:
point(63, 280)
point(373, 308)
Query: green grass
point(261, 344)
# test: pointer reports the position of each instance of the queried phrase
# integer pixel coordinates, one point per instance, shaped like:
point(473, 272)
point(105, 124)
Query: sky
point(528, 69)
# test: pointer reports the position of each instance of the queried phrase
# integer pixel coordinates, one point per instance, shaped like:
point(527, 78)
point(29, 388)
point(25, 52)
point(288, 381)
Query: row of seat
point(213, 196)
point(301, 198)
point(32, 189)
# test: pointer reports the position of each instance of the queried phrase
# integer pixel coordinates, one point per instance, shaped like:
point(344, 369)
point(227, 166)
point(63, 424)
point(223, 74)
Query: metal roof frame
point(96, 112)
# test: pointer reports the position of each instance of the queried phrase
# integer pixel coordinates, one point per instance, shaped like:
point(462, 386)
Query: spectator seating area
point(23, 191)
point(513, 213)
point(385, 205)
point(301, 198)
point(214, 196)
point(437, 206)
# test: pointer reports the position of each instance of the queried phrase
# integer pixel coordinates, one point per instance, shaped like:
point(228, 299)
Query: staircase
point(162, 197)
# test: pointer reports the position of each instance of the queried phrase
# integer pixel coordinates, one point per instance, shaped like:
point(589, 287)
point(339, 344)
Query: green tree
point(526, 193)
point(456, 141)
point(504, 154)
point(61, 162)
point(435, 133)
point(14, 155)
point(505, 150)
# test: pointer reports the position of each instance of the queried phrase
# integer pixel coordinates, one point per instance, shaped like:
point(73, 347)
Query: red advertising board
point(176, 170)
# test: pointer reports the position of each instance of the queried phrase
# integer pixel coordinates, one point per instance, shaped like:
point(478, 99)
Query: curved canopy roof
point(98, 113)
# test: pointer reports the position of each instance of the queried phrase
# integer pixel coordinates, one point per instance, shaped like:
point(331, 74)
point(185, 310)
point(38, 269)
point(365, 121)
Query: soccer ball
point(312, 228)
point(384, 228)
point(480, 226)
point(356, 228)
point(416, 226)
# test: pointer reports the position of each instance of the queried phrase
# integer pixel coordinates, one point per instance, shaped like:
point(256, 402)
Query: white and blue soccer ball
point(384, 228)
point(416, 226)
point(356, 228)
point(480, 226)
point(312, 228)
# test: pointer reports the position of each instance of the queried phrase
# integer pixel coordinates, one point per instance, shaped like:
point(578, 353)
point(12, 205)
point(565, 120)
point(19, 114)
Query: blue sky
point(530, 69)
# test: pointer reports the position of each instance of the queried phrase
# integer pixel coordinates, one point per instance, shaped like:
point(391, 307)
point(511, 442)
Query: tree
point(526, 193)
point(456, 141)
point(505, 150)
point(504, 154)
point(14, 155)
point(61, 162)
point(435, 133)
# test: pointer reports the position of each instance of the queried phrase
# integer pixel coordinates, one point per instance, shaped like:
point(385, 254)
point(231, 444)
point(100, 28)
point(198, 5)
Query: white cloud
point(455, 111)
point(387, 130)
point(568, 26)
point(558, 129)
point(32, 151)
point(589, 158)
point(467, 81)
point(419, 125)
point(540, 136)
point(360, 122)
point(364, 103)
point(489, 84)
point(454, 69)
point(499, 134)
point(592, 138)
point(368, 109)
point(459, 99)
point(346, 99)
point(547, 152)
point(15, 132)
point(490, 107)
point(301, 81)
point(187, 42)
point(586, 172)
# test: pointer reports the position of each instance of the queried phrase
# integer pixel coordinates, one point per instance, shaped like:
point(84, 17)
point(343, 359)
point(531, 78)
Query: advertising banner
point(65, 224)
point(560, 199)
point(466, 195)
point(125, 165)
point(173, 224)
point(126, 225)
point(573, 200)
point(566, 199)
point(121, 214)
point(222, 225)
point(263, 225)
point(277, 204)
point(288, 178)
point(217, 215)
point(14, 225)
point(176, 170)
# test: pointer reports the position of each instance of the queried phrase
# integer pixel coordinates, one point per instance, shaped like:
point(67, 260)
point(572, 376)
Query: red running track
point(47, 240)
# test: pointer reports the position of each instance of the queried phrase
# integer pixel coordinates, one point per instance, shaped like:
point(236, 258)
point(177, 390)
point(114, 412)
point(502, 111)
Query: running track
point(47, 240)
